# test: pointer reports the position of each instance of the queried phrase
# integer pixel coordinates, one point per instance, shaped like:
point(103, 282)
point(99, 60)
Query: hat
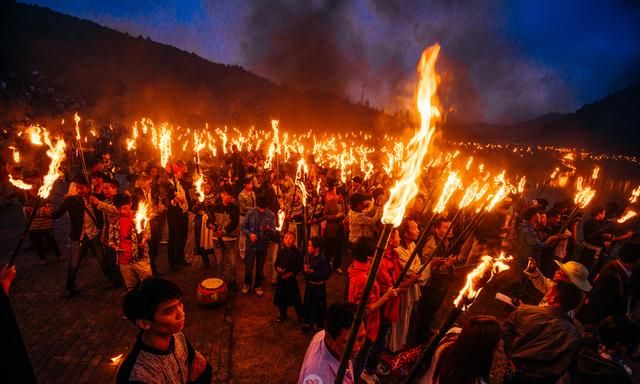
point(578, 274)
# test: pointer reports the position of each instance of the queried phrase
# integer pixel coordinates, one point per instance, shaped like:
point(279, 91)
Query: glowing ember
point(480, 276)
point(629, 214)
point(406, 188)
point(19, 183)
point(141, 217)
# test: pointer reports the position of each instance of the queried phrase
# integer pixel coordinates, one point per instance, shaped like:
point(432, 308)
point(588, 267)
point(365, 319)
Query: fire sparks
point(141, 217)
point(480, 276)
point(406, 188)
point(19, 183)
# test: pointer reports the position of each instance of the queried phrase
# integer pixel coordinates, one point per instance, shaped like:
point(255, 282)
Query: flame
point(19, 183)
point(634, 195)
point(469, 162)
point(57, 155)
point(35, 134)
point(596, 171)
point(198, 182)
point(521, 184)
point(629, 214)
point(501, 192)
point(281, 216)
point(165, 145)
point(303, 192)
point(141, 217)
point(116, 359)
point(302, 169)
point(16, 154)
point(406, 188)
point(131, 143)
point(554, 173)
point(452, 184)
point(76, 118)
point(584, 195)
point(480, 276)
point(469, 194)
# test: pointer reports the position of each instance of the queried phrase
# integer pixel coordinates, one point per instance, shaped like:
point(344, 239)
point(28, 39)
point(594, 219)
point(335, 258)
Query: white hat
point(578, 274)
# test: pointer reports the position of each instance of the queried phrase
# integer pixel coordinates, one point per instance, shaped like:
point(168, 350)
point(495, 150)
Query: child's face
point(125, 210)
point(288, 240)
point(169, 318)
point(311, 249)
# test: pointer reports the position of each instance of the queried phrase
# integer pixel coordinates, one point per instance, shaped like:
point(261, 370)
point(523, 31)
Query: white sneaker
point(245, 289)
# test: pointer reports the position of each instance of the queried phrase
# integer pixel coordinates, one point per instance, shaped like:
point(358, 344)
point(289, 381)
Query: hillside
point(53, 64)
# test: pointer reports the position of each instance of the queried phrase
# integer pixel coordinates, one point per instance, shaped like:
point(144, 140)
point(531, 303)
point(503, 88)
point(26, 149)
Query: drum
point(211, 292)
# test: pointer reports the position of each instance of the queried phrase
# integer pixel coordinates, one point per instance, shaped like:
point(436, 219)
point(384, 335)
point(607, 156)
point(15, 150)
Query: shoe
point(183, 263)
point(245, 289)
point(259, 292)
point(339, 271)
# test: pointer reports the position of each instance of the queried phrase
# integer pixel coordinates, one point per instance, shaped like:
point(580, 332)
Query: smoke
point(372, 47)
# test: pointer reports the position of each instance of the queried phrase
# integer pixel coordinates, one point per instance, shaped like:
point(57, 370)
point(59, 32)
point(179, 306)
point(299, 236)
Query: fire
point(521, 184)
point(198, 182)
point(634, 195)
point(452, 184)
point(406, 188)
point(501, 192)
point(141, 217)
point(480, 276)
point(554, 173)
point(19, 183)
point(165, 145)
point(281, 216)
point(57, 155)
point(629, 214)
point(35, 134)
point(16, 154)
point(596, 171)
point(584, 195)
point(116, 359)
point(469, 194)
point(76, 118)
point(469, 162)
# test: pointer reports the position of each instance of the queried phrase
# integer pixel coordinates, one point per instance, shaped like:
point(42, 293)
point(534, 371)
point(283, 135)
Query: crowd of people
point(572, 289)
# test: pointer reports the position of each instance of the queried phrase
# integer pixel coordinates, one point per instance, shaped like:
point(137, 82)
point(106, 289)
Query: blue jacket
point(257, 223)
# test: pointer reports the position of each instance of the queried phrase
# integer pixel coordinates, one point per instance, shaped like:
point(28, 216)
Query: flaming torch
point(56, 154)
point(582, 198)
point(76, 118)
point(16, 154)
point(141, 218)
point(19, 183)
point(404, 190)
point(475, 281)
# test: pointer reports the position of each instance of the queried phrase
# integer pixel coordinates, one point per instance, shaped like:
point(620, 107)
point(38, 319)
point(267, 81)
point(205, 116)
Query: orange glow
point(479, 277)
point(452, 184)
point(141, 217)
point(57, 155)
point(19, 183)
point(165, 145)
point(629, 214)
point(406, 188)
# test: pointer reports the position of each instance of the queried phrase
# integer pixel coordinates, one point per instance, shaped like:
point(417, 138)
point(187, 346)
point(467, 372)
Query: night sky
point(502, 61)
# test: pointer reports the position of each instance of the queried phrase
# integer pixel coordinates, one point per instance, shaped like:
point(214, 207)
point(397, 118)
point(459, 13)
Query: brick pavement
point(73, 340)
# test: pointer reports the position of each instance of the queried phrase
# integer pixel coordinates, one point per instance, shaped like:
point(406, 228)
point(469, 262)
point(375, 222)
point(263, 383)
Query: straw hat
point(578, 274)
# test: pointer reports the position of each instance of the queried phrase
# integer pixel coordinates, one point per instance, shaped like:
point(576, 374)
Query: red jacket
point(387, 275)
point(358, 272)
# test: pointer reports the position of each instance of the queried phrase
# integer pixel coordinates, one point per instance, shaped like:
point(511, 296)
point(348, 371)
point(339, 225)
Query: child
point(288, 264)
point(131, 247)
point(161, 353)
point(315, 292)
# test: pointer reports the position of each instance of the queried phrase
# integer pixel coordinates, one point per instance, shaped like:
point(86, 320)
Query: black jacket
point(609, 296)
point(74, 206)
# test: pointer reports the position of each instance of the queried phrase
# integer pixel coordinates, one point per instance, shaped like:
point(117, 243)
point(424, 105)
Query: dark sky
point(501, 61)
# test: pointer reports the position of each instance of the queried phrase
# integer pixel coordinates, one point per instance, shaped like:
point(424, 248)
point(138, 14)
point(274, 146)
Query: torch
point(57, 154)
point(404, 190)
point(581, 199)
point(76, 118)
point(476, 280)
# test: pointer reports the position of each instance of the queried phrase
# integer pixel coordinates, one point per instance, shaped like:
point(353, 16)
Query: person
point(528, 243)
point(131, 246)
point(109, 215)
point(15, 366)
point(177, 218)
point(203, 235)
point(316, 272)
point(409, 233)
point(288, 264)
point(363, 217)
point(358, 273)
point(452, 362)
point(150, 190)
point(83, 234)
point(161, 352)
point(322, 358)
point(542, 341)
point(611, 293)
point(41, 232)
point(224, 217)
point(246, 201)
point(571, 271)
point(333, 214)
point(259, 228)
point(601, 361)
point(436, 281)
